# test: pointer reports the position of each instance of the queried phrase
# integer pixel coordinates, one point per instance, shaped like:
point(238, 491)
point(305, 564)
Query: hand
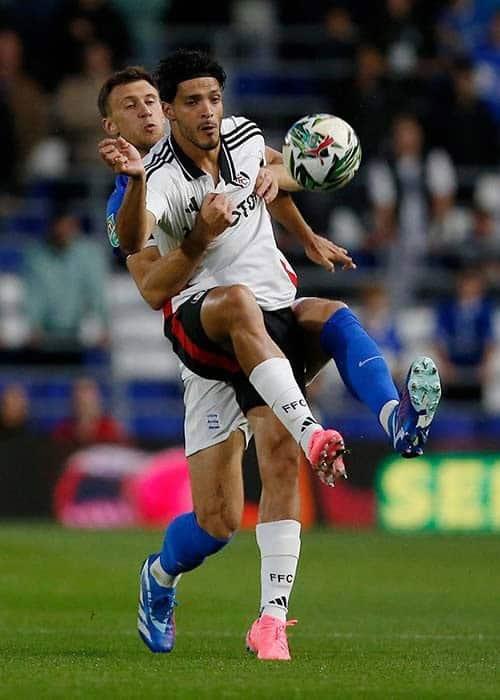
point(325, 253)
point(215, 215)
point(121, 157)
point(266, 185)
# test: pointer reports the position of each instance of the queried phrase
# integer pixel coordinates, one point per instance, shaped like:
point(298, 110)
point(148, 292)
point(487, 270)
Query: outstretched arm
point(134, 222)
point(317, 248)
point(285, 181)
point(284, 210)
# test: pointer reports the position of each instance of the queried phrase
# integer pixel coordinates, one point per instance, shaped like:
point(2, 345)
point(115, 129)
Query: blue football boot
point(155, 621)
point(410, 421)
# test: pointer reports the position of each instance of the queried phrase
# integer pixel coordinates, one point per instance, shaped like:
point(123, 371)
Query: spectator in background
point(365, 101)
point(64, 280)
point(24, 100)
point(28, 462)
point(378, 319)
point(201, 25)
point(408, 191)
point(487, 60)
point(464, 338)
point(397, 29)
point(462, 25)
point(75, 104)
point(341, 36)
point(78, 23)
point(14, 412)
point(88, 424)
point(461, 123)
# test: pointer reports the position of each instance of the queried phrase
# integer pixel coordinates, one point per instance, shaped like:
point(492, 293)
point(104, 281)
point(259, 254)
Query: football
point(321, 152)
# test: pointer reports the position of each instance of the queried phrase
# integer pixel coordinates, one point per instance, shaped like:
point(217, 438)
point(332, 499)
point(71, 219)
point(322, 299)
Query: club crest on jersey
point(111, 229)
point(242, 179)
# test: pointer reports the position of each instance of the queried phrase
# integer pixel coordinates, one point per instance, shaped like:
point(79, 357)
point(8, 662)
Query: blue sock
point(359, 361)
point(186, 545)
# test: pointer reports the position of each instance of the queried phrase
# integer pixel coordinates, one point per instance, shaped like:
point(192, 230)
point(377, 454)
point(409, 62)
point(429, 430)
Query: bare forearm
point(166, 276)
point(284, 210)
point(285, 180)
point(132, 221)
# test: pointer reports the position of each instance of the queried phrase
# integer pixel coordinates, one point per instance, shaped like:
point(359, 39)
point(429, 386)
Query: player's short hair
point(131, 74)
point(185, 65)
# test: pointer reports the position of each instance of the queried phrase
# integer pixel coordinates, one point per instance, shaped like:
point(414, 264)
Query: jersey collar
point(192, 172)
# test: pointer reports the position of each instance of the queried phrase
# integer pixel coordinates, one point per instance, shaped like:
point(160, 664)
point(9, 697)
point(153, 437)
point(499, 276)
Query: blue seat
point(54, 389)
point(158, 427)
point(147, 389)
point(11, 258)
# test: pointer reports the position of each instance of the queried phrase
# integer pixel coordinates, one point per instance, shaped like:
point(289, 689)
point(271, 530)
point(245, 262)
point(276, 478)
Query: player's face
point(196, 112)
point(136, 113)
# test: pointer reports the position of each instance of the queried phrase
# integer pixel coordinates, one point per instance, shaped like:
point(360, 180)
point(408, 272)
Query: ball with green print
point(322, 152)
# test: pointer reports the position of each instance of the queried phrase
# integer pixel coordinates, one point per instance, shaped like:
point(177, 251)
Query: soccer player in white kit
point(227, 452)
point(283, 531)
point(240, 132)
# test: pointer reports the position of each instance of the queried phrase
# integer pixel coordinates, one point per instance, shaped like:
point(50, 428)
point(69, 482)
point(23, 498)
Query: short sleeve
point(157, 200)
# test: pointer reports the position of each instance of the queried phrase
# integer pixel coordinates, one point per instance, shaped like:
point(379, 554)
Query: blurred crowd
point(418, 80)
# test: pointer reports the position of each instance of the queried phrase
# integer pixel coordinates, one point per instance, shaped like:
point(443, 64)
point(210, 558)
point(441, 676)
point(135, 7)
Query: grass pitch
point(380, 616)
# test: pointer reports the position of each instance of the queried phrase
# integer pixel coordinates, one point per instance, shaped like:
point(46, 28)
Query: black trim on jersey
point(226, 165)
point(245, 137)
point(158, 155)
point(165, 156)
point(229, 158)
point(237, 129)
point(192, 171)
point(165, 150)
point(189, 168)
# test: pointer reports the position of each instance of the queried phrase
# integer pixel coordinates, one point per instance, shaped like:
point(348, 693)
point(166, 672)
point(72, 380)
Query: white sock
point(274, 381)
point(385, 413)
point(279, 544)
point(161, 577)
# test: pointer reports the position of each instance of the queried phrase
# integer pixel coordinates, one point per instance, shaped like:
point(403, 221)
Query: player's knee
point(331, 307)
point(313, 313)
point(220, 523)
point(240, 302)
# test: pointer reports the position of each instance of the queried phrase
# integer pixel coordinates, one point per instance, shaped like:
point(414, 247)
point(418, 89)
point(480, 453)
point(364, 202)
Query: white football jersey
point(246, 252)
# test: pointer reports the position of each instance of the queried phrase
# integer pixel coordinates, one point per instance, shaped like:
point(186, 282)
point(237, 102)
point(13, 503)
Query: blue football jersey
point(113, 205)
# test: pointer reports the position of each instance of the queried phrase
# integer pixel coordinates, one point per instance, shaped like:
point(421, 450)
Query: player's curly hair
point(185, 65)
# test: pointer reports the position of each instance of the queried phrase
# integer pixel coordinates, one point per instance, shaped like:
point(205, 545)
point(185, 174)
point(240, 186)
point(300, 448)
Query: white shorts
point(212, 412)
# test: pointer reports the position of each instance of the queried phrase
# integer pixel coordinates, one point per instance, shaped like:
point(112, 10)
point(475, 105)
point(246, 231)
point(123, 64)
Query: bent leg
point(231, 313)
point(312, 314)
point(359, 360)
point(191, 537)
point(217, 488)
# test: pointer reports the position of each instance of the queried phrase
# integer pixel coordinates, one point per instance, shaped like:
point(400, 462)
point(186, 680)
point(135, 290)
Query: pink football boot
point(267, 638)
point(325, 452)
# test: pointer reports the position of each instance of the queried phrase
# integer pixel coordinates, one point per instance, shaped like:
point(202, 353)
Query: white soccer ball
point(322, 152)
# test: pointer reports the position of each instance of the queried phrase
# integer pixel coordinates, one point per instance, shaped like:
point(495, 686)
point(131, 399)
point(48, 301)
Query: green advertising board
point(454, 492)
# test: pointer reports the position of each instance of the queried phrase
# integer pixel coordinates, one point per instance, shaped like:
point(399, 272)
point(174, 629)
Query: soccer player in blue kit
point(192, 537)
